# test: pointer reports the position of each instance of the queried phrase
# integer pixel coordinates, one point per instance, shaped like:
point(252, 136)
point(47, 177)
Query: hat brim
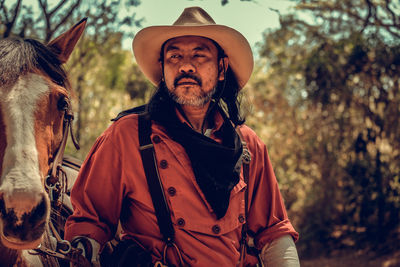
point(147, 44)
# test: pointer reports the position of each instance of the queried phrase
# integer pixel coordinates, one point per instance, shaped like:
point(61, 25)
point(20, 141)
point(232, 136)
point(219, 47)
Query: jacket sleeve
point(97, 194)
point(267, 217)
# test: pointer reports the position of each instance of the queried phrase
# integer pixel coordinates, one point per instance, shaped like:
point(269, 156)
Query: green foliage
point(326, 100)
point(107, 82)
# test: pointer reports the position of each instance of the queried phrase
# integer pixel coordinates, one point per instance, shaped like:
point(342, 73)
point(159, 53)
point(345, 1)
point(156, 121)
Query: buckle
point(246, 156)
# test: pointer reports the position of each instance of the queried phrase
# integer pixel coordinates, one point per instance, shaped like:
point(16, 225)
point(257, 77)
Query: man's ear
point(222, 67)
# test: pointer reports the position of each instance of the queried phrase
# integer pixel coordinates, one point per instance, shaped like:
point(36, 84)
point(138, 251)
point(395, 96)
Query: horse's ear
point(65, 43)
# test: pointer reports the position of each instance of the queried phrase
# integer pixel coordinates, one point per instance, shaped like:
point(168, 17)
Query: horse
point(35, 117)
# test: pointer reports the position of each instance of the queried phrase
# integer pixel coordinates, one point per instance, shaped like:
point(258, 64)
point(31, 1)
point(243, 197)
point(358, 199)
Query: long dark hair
point(228, 91)
point(20, 56)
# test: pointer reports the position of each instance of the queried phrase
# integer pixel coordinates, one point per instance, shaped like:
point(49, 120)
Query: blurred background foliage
point(328, 98)
point(324, 97)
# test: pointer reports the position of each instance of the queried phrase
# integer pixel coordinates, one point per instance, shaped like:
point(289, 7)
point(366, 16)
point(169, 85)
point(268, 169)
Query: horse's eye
point(62, 103)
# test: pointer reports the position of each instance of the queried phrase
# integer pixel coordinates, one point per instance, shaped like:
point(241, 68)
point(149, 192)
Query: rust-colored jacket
point(112, 186)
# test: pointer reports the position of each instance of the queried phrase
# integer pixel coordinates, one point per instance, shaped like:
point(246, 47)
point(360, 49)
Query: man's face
point(191, 69)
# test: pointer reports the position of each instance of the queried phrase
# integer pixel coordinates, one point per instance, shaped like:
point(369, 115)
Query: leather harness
point(56, 184)
point(52, 182)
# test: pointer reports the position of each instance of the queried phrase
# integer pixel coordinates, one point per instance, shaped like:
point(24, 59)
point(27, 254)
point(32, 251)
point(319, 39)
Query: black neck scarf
point(215, 166)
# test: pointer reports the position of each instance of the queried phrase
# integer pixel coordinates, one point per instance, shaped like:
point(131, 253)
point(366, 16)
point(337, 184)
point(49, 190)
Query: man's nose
point(187, 67)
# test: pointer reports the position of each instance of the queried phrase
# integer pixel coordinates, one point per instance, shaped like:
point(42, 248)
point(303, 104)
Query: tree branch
point(368, 15)
point(10, 24)
point(43, 5)
point(379, 22)
point(3, 8)
point(57, 7)
point(364, 21)
point(16, 11)
point(23, 29)
point(391, 12)
point(62, 21)
point(376, 22)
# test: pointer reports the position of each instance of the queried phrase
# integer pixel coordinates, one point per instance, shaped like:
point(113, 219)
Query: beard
point(193, 100)
point(187, 97)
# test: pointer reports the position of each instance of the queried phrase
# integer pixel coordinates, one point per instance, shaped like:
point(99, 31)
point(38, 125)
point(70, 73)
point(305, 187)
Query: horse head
point(35, 112)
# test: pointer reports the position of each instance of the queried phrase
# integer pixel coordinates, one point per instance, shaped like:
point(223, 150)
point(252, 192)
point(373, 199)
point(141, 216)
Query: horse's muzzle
point(26, 231)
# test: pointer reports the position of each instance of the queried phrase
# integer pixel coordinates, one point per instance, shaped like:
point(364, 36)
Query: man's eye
point(198, 55)
point(174, 56)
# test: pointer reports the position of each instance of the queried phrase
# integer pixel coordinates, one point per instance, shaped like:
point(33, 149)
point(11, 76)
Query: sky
point(249, 18)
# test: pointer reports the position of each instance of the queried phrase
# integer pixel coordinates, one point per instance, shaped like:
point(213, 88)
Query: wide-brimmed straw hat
point(193, 21)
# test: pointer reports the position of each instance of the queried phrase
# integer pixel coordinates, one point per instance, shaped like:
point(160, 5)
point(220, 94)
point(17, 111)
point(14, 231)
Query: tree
point(335, 73)
point(107, 81)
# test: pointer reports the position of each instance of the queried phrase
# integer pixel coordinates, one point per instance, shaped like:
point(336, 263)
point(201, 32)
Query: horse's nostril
point(29, 227)
point(2, 207)
point(39, 212)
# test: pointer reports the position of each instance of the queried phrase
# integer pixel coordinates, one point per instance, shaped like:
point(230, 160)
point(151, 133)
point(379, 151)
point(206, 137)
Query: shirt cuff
point(274, 232)
point(88, 230)
point(280, 252)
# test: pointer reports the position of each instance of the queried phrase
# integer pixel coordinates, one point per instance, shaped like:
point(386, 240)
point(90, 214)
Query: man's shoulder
point(132, 111)
point(122, 125)
point(128, 117)
point(120, 133)
point(250, 137)
point(247, 132)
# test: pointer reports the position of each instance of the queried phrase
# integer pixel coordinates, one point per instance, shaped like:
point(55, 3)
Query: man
point(199, 68)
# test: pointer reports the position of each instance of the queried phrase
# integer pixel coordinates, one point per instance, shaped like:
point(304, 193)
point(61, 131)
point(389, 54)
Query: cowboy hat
point(193, 21)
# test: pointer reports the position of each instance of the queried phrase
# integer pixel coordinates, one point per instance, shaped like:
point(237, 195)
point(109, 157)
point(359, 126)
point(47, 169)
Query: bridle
point(53, 183)
point(56, 184)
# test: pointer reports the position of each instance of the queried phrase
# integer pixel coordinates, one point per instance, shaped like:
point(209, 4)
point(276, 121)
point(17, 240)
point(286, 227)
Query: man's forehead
point(195, 41)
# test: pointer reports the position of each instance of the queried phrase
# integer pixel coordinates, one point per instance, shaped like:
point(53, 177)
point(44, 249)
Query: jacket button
point(156, 139)
point(241, 218)
point(163, 164)
point(216, 229)
point(171, 191)
point(181, 222)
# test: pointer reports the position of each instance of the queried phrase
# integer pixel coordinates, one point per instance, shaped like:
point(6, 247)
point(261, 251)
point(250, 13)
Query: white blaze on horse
point(34, 122)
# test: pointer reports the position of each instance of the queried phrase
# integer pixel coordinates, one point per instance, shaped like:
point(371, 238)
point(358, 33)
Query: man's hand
point(81, 261)
point(90, 252)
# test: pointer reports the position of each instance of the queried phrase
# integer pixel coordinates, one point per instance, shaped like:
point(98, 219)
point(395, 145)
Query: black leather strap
point(153, 179)
point(245, 248)
point(135, 110)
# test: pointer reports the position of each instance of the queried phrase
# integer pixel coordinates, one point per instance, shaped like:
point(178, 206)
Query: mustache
point(187, 76)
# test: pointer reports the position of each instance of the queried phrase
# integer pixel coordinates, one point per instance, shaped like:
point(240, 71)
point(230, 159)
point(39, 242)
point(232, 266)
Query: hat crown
point(193, 21)
point(193, 16)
